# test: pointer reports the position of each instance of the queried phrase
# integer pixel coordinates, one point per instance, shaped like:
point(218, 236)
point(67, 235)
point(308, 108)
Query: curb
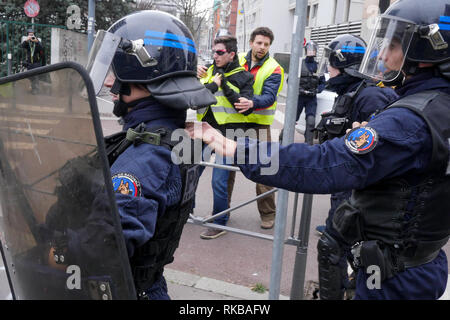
point(215, 286)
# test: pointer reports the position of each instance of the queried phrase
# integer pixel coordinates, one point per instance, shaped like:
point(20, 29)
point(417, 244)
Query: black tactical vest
point(413, 220)
point(308, 81)
point(335, 123)
point(149, 260)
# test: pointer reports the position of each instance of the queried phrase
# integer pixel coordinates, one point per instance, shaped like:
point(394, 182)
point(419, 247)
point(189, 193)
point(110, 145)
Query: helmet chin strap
point(120, 107)
point(120, 87)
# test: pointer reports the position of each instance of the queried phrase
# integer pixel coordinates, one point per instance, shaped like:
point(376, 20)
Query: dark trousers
point(425, 282)
point(309, 104)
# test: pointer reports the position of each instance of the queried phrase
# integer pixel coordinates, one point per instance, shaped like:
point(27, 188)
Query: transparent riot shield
point(59, 227)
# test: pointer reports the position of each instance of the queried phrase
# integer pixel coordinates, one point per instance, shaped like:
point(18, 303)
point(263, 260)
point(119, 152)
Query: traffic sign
point(31, 8)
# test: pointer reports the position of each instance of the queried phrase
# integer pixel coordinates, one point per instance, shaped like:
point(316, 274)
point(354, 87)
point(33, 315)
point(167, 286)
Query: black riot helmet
point(409, 32)
point(345, 53)
point(152, 48)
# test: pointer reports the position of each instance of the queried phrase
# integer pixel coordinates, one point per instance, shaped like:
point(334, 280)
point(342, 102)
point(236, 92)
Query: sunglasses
point(220, 52)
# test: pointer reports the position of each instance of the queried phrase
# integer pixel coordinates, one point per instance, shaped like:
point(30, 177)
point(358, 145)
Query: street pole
point(245, 29)
point(298, 34)
point(91, 23)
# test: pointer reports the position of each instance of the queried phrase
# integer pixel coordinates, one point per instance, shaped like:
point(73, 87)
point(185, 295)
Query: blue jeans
point(219, 185)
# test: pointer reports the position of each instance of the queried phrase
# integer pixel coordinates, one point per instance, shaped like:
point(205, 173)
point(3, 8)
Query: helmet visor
point(324, 61)
point(386, 52)
point(101, 56)
point(311, 49)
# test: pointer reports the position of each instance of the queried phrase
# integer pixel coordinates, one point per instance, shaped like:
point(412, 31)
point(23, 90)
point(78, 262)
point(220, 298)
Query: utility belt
point(389, 258)
point(376, 253)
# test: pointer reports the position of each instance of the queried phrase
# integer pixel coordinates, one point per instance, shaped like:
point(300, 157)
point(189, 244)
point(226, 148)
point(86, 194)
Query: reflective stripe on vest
point(223, 111)
point(264, 116)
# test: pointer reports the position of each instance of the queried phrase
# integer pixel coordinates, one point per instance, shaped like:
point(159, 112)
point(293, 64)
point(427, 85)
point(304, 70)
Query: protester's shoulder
point(241, 78)
point(247, 76)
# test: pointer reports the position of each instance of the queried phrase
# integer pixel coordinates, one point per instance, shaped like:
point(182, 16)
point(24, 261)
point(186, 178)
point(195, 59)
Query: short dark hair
point(229, 42)
point(262, 31)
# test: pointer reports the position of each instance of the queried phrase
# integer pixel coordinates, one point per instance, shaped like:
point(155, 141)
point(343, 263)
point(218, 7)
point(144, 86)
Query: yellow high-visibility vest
point(223, 110)
point(265, 116)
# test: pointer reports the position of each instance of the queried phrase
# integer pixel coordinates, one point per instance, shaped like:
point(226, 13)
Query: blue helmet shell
point(346, 51)
point(166, 39)
point(424, 13)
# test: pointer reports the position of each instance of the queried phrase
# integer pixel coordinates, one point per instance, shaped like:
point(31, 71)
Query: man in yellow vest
point(269, 79)
point(229, 82)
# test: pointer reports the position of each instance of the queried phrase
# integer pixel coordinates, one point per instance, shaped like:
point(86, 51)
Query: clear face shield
point(386, 52)
point(102, 53)
point(324, 61)
point(311, 49)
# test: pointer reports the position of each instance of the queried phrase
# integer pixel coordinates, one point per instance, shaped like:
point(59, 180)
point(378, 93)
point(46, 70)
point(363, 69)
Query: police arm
point(329, 167)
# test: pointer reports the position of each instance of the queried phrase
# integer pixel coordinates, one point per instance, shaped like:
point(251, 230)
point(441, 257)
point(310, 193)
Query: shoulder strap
point(417, 101)
point(117, 143)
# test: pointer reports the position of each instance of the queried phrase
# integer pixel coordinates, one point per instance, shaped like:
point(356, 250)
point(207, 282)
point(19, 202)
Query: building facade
point(267, 13)
point(325, 20)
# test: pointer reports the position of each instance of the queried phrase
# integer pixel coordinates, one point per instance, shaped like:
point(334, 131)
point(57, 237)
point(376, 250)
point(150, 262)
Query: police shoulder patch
point(127, 184)
point(361, 140)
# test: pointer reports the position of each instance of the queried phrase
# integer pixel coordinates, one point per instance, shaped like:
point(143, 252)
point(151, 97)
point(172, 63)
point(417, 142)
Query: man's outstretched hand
point(212, 137)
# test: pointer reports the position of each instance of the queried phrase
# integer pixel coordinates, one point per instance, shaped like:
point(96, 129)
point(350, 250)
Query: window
point(334, 11)
point(315, 8)
point(308, 12)
point(347, 10)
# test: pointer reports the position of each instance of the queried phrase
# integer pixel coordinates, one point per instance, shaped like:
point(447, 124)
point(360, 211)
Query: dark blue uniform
point(369, 100)
point(308, 102)
point(403, 150)
point(146, 181)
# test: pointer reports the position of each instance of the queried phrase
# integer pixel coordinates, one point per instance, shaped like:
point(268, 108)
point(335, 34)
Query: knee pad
point(311, 121)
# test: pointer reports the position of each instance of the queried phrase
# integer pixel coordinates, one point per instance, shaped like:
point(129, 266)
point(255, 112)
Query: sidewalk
point(185, 286)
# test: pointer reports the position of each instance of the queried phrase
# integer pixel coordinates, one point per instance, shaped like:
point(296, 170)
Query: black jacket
point(243, 80)
point(34, 59)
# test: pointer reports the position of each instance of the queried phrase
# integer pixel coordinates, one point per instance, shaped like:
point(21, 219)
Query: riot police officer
point(357, 100)
point(309, 86)
point(397, 164)
point(153, 82)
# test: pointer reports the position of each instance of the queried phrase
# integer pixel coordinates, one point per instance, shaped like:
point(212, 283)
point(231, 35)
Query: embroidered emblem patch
point(361, 140)
point(128, 184)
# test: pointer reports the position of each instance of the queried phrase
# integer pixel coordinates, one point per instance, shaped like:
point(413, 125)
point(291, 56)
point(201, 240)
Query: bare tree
point(192, 14)
point(145, 4)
